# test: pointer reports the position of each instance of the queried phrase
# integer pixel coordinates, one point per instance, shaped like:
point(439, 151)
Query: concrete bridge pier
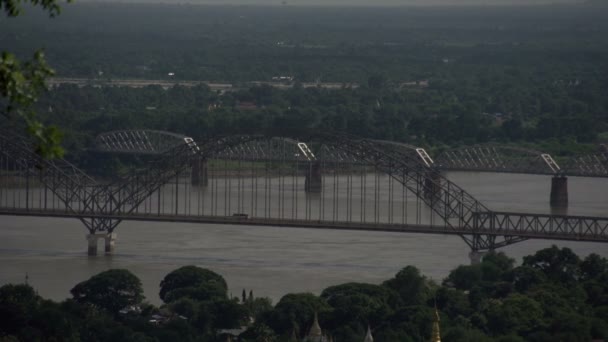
point(476, 256)
point(559, 192)
point(92, 239)
point(432, 184)
point(109, 243)
point(200, 171)
point(314, 179)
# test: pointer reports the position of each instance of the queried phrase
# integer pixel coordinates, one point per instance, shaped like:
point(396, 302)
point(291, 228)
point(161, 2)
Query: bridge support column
point(432, 184)
point(559, 192)
point(92, 240)
point(200, 172)
point(314, 179)
point(476, 256)
point(110, 244)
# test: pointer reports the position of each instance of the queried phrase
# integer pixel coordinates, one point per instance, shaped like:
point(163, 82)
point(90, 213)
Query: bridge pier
point(314, 179)
point(200, 171)
point(432, 184)
point(92, 240)
point(109, 243)
point(559, 192)
point(476, 256)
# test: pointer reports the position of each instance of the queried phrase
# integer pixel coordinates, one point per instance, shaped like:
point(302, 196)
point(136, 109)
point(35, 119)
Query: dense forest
point(534, 75)
point(552, 296)
point(425, 117)
point(518, 46)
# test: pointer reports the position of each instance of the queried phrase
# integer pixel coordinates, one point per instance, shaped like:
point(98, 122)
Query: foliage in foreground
point(21, 83)
point(552, 296)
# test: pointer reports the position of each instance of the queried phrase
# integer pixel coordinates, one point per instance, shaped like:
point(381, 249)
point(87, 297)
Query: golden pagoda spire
point(436, 334)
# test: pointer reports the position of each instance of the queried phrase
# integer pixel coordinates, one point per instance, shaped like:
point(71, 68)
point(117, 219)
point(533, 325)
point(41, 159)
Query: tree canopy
point(21, 84)
point(506, 302)
point(194, 282)
point(111, 290)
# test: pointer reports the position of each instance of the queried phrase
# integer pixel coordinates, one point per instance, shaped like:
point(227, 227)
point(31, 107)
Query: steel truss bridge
point(316, 181)
point(497, 158)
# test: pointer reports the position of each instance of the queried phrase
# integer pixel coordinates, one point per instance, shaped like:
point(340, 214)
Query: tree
point(510, 338)
point(464, 277)
point(229, 314)
point(51, 323)
point(185, 307)
point(12, 8)
point(220, 313)
point(194, 282)
point(570, 326)
point(452, 302)
point(18, 303)
point(513, 129)
point(413, 321)
point(499, 259)
point(203, 292)
point(494, 266)
point(259, 332)
point(259, 306)
point(376, 81)
point(459, 334)
point(296, 311)
point(594, 267)
point(560, 265)
point(411, 286)
point(526, 277)
point(358, 304)
point(111, 290)
point(516, 314)
point(20, 85)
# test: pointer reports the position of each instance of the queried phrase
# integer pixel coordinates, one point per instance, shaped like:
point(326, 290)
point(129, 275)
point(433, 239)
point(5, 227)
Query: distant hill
point(362, 2)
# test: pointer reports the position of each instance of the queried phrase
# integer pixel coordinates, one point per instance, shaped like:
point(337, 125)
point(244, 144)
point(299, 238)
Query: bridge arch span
point(451, 204)
point(138, 141)
point(65, 187)
point(260, 180)
point(589, 165)
point(497, 158)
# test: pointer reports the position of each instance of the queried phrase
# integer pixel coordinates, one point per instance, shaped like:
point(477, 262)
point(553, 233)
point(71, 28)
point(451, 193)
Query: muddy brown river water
point(275, 261)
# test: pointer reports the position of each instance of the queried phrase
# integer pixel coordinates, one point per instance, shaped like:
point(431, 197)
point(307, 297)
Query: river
point(275, 261)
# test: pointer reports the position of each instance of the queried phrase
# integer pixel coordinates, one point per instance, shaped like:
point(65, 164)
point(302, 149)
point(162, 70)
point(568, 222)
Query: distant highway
point(139, 83)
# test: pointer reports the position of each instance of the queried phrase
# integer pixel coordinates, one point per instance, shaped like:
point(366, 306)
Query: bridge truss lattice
point(262, 180)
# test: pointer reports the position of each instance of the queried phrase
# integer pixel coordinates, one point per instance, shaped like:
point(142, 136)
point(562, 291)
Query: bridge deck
point(347, 183)
point(529, 226)
point(539, 172)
